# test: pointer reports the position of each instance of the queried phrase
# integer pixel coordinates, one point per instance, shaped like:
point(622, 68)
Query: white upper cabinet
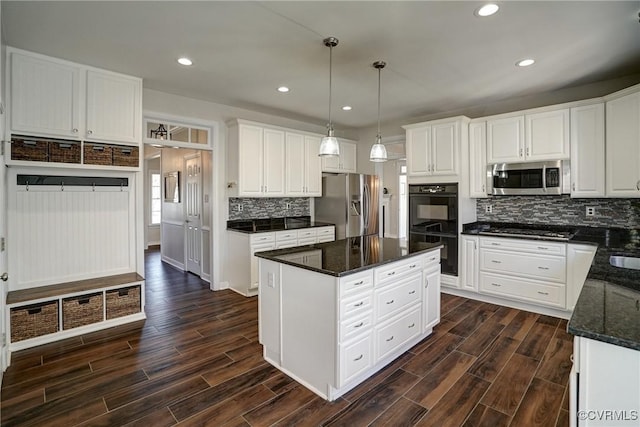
point(303, 166)
point(623, 146)
point(274, 172)
point(478, 159)
point(114, 107)
point(345, 163)
point(261, 161)
point(45, 97)
point(55, 98)
point(529, 138)
point(433, 147)
point(587, 151)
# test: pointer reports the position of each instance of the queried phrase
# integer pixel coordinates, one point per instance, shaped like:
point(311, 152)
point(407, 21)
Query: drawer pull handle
point(542, 248)
point(390, 339)
point(543, 293)
point(358, 358)
point(412, 325)
point(359, 325)
point(412, 266)
point(391, 274)
point(432, 259)
point(495, 244)
point(543, 268)
point(495, 261)
point(35, 310)
point(358, 283)
point(390, 302)
point(496, 284)
point(83, 301)
point(360, 304)
point(412, 292)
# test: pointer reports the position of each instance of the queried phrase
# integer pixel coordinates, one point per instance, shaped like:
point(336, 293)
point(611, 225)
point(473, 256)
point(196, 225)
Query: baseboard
point(172, 262)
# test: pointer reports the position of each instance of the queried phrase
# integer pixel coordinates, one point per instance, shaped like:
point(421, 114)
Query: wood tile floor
point(196, 361)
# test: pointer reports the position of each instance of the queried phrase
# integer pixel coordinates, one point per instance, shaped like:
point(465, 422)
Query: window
point(156, 197)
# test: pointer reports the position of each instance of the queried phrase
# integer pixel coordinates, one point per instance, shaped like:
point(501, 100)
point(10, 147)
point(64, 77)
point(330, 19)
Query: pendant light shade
point(329, 146)
point(378, 150)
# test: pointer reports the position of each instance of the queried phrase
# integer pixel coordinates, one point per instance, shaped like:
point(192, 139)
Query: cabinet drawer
point(307, 232)
point(34, 320)
point(29, 150)
point(431, 260)
point(355, 326)
point(126, 156)
point(286, 244)
point(521, 245)
point(286, 235)
point(395, 297)
point(64, 152)
point(388, 273)
point(307, 240)
point(122, 302)
point(262, 238)
point(397, 332)
point(354, 283)
point(97, 154)
point(326, 238)
point(82, 310)
point(532, 265)
point(523, 289)
point(358, 304)
point(325, 231)
point(355, 358)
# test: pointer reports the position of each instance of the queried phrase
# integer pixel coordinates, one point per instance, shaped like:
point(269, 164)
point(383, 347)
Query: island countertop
point(347, 256)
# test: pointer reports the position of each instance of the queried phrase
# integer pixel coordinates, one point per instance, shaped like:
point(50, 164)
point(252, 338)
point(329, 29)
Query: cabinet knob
point(573, 186)
point(521, 152)
point(75, 130)
point(89, 132)
point(483, 190)
point(638, 185)
point(527, 151)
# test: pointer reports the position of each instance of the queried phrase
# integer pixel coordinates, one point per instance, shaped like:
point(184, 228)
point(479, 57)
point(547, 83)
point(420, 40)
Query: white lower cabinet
point(604, 390)
point(469, 277)
point(431, 297)
point(397, 332)
point(355, 357)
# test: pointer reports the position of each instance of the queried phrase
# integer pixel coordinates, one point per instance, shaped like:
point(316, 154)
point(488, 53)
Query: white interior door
point(193, 206)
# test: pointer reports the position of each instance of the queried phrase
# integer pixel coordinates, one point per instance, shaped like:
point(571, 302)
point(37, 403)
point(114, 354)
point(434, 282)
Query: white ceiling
point(440, 56)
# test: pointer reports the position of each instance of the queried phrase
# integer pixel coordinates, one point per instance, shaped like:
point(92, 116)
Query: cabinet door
point(114, 107)
point(579, 259)
point(348, 157)
point(431, 298)
point(45, 97)
point(478, 160)
point(444, 149)
point(587, 151)
point(274, 166)
point(295, 161)
point(251, 160)
point(470, 263)
point(505, 140)
point(260, 247)
point(418, 151)
point(547, 136)
point(331, 164)
point(623, 146)
point(313, 167)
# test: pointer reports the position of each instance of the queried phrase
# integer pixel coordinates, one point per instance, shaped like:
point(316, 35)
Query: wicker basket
point(82, 310)
point(34, 320)
point(64, 152)
point(97, 154)
point(35, 151)
point(123, 302)
point(125, 156)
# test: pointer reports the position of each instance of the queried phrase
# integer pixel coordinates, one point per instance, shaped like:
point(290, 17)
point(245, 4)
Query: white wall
point(152, 232)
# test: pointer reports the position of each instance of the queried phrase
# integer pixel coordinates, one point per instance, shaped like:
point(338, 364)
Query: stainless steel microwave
point(539, 178)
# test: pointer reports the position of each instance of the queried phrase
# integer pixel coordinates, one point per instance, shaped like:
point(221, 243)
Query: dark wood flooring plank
point(44, 378)
point(519, 327)
point(96, 385)
point(556, 363)
point(540, 406)
point(563, 419)
point(56, 410)
point(430, 389)
point(470, 323)
point(134, 358)
point(376, 401)
point(439, 330)
point(373, 381)
point(504, 315)
point(456, 404)
point(229, 409)
point(75, 416)
point(537, 340)
point(160, 418)
point(11, 408)
point(403, 413)
point(491, 362)
point(280, 383)
point(250, 349)
point(223, 373)
point(422, 363)
point(449, 302)
point(507, 390)
point(481, 338)
point(279, 407)
point(313, 413)
point(463, 310)
point(483, 416)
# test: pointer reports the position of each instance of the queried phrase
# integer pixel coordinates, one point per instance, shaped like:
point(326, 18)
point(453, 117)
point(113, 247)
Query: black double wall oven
point(433, 218)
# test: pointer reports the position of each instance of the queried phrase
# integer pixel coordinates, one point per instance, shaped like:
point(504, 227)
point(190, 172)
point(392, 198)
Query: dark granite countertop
point(608, 308)
point(347, 256)
point(263, 225)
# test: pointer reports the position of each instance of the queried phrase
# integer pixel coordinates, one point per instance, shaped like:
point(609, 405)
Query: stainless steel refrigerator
point(350, 201)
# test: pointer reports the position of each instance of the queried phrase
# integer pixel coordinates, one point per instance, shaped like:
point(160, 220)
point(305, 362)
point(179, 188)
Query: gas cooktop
point(530, 233)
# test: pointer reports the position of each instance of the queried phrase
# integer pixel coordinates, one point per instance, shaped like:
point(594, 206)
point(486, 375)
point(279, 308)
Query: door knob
point(4, 277)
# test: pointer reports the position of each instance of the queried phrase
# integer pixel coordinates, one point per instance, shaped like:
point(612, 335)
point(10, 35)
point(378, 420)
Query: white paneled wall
point(71, 234)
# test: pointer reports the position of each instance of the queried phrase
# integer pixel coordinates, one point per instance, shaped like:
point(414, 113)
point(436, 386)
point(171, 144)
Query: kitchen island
point(332, 314)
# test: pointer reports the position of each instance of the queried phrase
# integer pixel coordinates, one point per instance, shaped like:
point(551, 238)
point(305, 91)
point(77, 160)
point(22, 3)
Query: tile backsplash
point(254, 208)
point(560, 210)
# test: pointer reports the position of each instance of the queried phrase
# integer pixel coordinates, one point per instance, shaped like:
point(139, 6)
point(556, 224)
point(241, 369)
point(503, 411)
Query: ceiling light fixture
point(160, 133)
point(329, 146)
point(525, 62)
point(378, 150)
point(283, 89)
point(185, 61)
point(347, 108)
point(487, 10)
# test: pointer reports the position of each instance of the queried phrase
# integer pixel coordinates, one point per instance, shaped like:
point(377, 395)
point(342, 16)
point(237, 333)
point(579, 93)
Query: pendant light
point(378, 150)
point(329, 146)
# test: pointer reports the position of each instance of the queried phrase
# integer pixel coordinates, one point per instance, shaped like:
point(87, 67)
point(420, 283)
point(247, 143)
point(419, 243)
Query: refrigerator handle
point(366, 207)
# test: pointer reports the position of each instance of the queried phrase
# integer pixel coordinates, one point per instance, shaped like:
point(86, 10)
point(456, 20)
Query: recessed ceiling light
point(283, 89)
point(525, 62)
point(347, 108)
point(185, 61)
point(488, 9)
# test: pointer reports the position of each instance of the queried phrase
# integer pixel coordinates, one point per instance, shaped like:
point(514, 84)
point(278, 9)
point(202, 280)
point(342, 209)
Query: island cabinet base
point(331, 333)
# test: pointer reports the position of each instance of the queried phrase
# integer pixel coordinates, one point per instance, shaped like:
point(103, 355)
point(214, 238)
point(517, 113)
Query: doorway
point(193, 210)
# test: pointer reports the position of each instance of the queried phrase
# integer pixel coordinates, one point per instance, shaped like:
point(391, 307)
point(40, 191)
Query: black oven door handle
point(544, 178)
